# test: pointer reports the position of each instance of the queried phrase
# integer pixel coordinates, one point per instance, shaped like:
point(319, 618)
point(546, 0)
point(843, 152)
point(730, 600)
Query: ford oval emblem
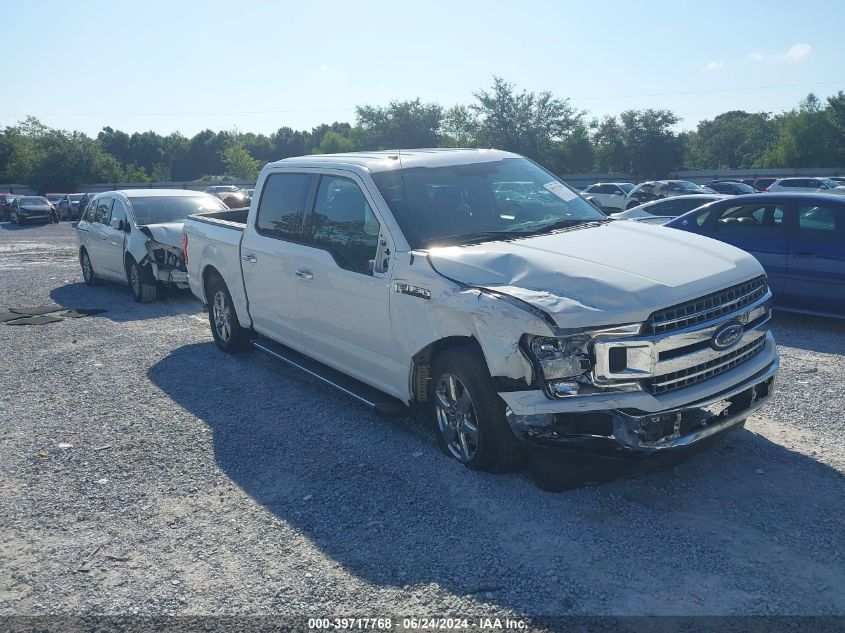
point(727, 336)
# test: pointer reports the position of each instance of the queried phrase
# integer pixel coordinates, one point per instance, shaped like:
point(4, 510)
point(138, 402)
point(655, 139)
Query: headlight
point(564, 357)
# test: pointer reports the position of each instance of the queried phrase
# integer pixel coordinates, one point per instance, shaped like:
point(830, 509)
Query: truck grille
point(706, 308)
point(697, 373)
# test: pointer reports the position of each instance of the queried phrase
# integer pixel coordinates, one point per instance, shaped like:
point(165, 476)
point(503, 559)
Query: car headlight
point(562, 357)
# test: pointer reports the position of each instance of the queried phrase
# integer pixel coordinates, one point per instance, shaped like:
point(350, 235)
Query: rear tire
point(468, 415)
point(228, 334)
point(87, 270)
point(140, 283)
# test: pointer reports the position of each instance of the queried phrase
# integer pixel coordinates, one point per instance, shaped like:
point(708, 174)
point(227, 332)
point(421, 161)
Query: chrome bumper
point(626, 427)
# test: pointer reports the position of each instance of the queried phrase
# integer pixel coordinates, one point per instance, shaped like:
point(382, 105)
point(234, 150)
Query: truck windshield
point(162, 209)
point(466, 203)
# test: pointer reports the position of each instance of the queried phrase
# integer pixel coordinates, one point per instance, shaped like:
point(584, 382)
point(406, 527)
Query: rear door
point(758, 228)
point(816, 276)
point(270, 252)
point(344, 285)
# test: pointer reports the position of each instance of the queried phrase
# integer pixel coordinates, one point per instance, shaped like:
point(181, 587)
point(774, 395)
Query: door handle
point(305, 275)
point(249, 258)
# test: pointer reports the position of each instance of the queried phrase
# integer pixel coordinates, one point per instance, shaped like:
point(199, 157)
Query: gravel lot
point(198, 483)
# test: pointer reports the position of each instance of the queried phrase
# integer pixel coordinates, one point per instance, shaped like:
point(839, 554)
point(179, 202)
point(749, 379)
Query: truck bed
point(231, 218)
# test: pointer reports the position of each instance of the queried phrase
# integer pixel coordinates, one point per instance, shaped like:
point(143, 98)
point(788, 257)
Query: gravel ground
point(144, 472)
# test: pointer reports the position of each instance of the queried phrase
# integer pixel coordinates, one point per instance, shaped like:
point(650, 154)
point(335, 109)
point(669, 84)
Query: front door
point(758, 228)
point(344, 286)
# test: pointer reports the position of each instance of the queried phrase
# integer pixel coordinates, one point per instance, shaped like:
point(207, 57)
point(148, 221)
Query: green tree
point(239, 164)
point(653, 148)
point(332, 143)
point(733, 140)
point(610, 145)
point(401, 124)
point(524, 122)
point(459, 127)
point(806, 137)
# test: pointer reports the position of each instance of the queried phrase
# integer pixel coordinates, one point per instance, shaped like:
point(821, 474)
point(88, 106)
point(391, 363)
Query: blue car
point(799, 238)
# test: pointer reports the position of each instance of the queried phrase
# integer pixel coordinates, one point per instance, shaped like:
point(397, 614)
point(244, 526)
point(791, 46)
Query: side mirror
point(823, 186)
point(116, 224)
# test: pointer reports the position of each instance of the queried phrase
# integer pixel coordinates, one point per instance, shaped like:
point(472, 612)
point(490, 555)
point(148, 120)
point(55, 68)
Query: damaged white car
point(518, 324)
point(135, 236)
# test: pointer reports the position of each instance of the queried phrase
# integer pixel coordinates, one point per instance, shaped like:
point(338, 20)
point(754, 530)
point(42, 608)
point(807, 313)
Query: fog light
point(565, 388)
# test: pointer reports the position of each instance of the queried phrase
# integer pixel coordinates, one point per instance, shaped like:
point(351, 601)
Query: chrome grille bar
point(696, 373)
point(707, 308)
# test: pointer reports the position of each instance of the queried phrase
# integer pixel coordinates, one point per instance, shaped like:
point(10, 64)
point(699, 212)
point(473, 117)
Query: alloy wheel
point(456, 418)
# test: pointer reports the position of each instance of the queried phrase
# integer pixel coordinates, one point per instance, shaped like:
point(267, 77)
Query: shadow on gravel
point(378, 497)
point(116, 298)
point(816, 334)
point(11, 226)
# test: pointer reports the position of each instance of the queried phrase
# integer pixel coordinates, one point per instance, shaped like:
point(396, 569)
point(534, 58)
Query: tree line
point(543, 127)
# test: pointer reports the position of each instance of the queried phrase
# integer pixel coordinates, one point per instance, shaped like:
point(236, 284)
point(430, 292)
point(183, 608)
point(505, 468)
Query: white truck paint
point(588, 290)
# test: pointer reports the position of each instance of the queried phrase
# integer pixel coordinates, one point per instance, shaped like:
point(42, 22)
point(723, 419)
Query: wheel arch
point(421, 362)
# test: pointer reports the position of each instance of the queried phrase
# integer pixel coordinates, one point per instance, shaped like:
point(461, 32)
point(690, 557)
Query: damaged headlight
point(562, 357)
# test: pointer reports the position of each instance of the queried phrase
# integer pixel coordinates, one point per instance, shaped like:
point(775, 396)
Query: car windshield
point(831, 183)
point(627, 187)
point(466, 203)
point(161, 209)
point(741, 186)
point(76, 197)
point(33, 200)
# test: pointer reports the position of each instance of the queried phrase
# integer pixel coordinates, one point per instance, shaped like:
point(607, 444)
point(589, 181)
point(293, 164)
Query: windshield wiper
point(474, 238)
point(567, 224)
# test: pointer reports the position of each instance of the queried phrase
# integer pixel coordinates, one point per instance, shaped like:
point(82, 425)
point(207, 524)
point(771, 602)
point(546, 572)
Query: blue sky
point(257, 66)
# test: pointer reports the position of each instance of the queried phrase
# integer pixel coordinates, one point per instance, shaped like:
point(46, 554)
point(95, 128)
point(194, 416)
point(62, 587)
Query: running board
point(373, 398)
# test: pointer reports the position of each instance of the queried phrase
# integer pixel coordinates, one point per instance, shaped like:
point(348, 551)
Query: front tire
point(468, 415)
point(228, 334)
point(139, 283)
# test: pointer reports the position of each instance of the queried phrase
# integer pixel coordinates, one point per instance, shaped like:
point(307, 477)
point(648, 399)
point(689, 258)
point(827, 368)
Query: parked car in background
point(610, 196)
point(83, 202)
point(661, 211)
point(731, 187)
point(232, 196)
point(761, 184)
point(135, 236)
point(69, 206)
point(657, 189)
point(798, 238)
point(838, 179)
point(32, 209)
point(548, 326)
point(6, 205)
point(807, 185)
point(55, 198)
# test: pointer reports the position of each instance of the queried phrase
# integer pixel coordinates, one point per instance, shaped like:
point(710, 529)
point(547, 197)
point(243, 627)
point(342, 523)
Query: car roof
point(800, 178)
point(692, 196)
point(385, 160)
point(821, 198)
point(157, 193)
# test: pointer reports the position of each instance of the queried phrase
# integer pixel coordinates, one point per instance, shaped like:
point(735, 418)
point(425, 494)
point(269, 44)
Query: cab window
point(748, 219)
point(821, 224)
point(344, 224)
point(282, 205)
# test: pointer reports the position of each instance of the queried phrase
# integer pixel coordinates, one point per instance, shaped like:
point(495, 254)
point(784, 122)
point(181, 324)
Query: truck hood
point(169, 233)
point(612, 274)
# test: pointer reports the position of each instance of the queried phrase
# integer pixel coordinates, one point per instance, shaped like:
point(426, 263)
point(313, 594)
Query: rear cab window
point(282, 205)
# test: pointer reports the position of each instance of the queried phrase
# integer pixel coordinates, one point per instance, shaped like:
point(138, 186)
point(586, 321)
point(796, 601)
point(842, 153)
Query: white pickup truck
point(417, 279)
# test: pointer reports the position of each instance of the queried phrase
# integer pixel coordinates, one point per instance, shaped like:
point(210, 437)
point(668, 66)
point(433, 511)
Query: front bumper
point(622, 433)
